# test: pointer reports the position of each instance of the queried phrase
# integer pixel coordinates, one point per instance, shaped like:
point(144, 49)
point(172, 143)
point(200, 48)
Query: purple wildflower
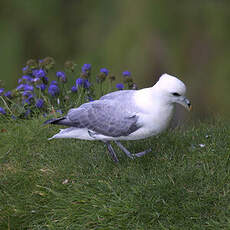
point(42, 87)
point(28, 88)
point(19, 81)
point(90, 98)
point(105, 71)
point(119, 86)
point(62, 77)
point(74, 89)
point(27, 100)
point(20, 87)
point(126, 74)
point(79, 81)
point(53, 83)
point(60, 74)
point(37, 80)
point(86, 84)
point(2, 111)
point(59, 111)
point(8, 94)
point(24, 69)
point(25, 87)
point(26, 94)
point(86, 68)
point(27, 97)
point(82, 82)
point(39, 73)
point(53, 90)
point(39, 103)
point(1, 91)
point(25, 79)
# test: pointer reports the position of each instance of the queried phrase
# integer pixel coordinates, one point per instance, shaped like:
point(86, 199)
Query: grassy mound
point(73, 184)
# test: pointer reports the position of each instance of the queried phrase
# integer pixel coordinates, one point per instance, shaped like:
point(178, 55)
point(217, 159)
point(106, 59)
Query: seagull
point(125, 115)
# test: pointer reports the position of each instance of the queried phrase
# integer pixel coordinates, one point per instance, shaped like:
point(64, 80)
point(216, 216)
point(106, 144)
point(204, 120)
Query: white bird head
point(173, 90)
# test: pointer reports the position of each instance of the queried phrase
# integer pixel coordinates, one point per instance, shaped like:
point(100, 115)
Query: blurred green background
point(189, 39)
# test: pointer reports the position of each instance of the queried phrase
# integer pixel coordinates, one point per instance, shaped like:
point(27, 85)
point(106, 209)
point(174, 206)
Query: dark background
point(189, 39)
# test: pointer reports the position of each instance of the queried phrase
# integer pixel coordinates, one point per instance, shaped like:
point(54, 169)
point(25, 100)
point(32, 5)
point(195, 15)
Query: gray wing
point(104, 117)
point(118, 94)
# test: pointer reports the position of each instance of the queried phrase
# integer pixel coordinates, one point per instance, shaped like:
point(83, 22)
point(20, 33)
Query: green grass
point(73, 184)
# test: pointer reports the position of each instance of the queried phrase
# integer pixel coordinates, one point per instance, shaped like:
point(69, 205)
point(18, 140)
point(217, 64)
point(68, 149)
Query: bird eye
point(176, 94)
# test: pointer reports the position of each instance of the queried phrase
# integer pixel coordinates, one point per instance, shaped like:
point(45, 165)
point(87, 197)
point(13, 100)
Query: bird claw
point(140, 154)
point(128, 154)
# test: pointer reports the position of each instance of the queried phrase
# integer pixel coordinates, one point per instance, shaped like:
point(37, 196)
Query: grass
point(73, 184)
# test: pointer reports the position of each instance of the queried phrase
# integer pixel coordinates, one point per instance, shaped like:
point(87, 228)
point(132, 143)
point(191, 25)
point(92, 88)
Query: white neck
point(156, 110)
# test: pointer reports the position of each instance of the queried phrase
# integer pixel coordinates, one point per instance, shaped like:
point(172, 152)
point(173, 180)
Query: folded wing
point(104, 117)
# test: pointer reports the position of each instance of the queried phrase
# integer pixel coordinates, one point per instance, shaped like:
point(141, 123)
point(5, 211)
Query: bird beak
point(186, 103)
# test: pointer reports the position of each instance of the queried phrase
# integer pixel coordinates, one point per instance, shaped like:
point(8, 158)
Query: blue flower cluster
point(104, 71)
point(80, 82)
point(86, 68)
point(39, 103)
point(61, 76)
point(2, 111)
point(119, 86)
point(36, 93)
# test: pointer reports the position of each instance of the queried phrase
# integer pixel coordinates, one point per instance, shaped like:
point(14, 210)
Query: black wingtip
point(53, 121)
point(50, 121)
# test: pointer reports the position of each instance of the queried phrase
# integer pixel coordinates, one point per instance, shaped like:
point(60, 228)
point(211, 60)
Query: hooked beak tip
point(188, 104)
